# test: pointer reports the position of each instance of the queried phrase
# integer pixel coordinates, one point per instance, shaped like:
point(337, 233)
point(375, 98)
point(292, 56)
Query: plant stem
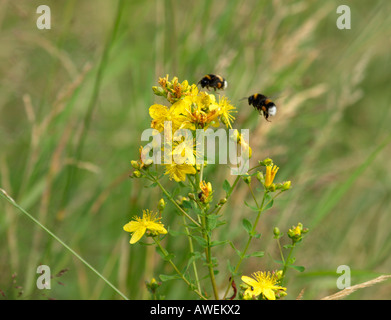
point(286, 262)
point(251, 235)
point(208, 256)
point(192, 252)
point(174, 202)
point(227, 196)
point(12, 201)
point(164, 251)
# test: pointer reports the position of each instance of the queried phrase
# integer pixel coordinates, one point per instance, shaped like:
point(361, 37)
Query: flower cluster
point(268, 179)
point(190, 108)
point(296, 233)
point(175, 129)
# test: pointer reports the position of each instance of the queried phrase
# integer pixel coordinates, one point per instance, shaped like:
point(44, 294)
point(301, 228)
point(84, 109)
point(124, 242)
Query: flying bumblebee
point(213, 81)
point(263, 104)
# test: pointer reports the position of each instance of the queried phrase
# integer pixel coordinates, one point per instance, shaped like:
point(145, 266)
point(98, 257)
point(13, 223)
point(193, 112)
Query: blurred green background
point(74, 101)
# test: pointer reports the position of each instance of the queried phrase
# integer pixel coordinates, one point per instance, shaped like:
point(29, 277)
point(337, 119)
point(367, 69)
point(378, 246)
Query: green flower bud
point(247, 179)
point(161, 205)
point(222, 201)
point(158, 91)
point(260, 176)
point(137, 174)
point(286, 185)
point(276, 232)
point(191, 196)
point(135, 164)
point(266, 162)
point(272, 187)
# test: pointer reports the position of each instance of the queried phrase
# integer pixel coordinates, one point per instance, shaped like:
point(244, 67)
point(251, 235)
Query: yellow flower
point(149, 222)
point(264, 283)
point(183, 151)
point(206, 192)
point(178, 172)
point(270, 174)
point(160, 114)
point(226, 110)
point(197, 112)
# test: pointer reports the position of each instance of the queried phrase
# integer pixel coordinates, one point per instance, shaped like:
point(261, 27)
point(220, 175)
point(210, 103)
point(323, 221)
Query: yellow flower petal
point(132, 226)
point(137, 235)
point(269, 294)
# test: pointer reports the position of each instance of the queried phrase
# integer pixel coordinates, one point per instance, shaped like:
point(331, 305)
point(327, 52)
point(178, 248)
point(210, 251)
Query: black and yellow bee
point(263, 104)
point(213, 81)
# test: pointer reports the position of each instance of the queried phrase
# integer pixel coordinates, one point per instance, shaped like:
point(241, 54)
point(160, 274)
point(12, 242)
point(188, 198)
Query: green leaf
point(247, 225)
point(201, 241)
point(258, 254)
point(257, 235)
point(298, 268)
point(151, 185)
point(269, 205)
point(165, 277)
point(218, 243)
point(251, 207)
point(167, 257)
point(226, 186)
point(268, 202)
point(230, 267)
point(236, 250)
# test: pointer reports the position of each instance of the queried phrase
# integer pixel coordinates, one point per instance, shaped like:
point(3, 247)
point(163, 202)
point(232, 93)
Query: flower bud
point(222, 201)
point(260, 176)
point(272, 187)
point(191, 196)
point(266, 162)
point(158, 91)
point(286, 185)
point(276, 232)
point(137, 174)
point(161, 205)
point(135, 164)
point(247, 179)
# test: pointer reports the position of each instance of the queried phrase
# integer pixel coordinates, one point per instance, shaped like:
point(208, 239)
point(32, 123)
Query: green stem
point(251, 235)
point(191, 247)
point(227, 196)
point(12, 201)
point(173, 201)
point(282, 255)
point(286, 262)
point(208, 256)
point(164, 251)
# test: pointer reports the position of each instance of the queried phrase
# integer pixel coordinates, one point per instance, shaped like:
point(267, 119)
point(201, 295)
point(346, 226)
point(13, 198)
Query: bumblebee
point(213, 81)
point(263, 104)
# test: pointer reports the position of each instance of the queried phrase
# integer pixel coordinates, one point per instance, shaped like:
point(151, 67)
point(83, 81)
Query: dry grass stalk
point(345, 292)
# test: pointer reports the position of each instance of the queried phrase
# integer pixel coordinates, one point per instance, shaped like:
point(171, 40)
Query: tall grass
point(74, 101)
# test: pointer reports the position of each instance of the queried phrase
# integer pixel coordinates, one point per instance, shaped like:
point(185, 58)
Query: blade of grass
point(93, 102)
point(4, 195)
